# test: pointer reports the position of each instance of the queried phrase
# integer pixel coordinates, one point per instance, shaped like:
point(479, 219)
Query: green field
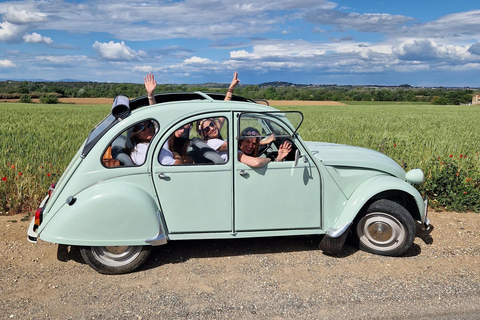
point(38, 141)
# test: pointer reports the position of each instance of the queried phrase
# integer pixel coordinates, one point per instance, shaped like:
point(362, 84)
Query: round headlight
point(414, 176)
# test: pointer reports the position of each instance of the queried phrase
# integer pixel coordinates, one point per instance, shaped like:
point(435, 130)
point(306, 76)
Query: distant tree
point(49, 99)
point(25, 98)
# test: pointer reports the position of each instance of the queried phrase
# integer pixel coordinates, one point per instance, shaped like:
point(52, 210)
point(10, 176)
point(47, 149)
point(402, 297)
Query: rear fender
point(368, 190)
point(110, 213)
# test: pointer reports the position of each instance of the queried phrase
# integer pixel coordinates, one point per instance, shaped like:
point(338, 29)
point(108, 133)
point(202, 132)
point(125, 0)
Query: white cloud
point(368, 22)
point(10, 32)
point(197, 60)
point(7, 64)
point(114, 51)
point(16, 16)
point(427, 50)
point(37, 38)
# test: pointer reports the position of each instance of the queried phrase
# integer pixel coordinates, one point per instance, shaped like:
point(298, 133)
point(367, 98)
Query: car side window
point(272, 134)
point(130, 147)
point(202, 141)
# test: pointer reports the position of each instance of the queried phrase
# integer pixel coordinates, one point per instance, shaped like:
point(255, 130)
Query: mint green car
point(116, 209)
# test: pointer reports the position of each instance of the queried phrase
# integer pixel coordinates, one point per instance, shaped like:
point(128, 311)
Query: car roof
point(198, 102)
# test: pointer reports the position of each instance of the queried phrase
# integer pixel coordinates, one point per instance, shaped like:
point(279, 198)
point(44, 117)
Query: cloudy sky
point(389, 42)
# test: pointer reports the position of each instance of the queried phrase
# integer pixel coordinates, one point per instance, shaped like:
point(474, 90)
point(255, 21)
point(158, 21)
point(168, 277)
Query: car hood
point(338, 155)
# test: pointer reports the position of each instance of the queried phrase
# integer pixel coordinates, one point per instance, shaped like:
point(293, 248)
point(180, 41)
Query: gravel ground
point(273, 278)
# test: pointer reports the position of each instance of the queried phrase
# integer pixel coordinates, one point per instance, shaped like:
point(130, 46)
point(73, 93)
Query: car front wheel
point(386, 228)
point(115, 260)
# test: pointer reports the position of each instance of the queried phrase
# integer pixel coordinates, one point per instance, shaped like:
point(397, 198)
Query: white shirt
point(166, 156)
point(215, 144)
point(139, 152)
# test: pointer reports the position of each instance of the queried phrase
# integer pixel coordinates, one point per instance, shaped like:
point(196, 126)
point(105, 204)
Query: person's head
point(207, 129)
point(180, 139)
point(249, 141)
point(143, 132)
point(183, 132)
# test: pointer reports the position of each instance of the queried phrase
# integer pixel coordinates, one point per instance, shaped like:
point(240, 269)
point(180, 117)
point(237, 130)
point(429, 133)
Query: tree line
point(49, 92)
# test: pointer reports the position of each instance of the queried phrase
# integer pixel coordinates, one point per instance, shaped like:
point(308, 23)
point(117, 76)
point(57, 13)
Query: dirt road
point(281, 278)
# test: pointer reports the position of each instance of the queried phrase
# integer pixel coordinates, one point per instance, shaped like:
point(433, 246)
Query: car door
point(197, 197)
point(280, 195)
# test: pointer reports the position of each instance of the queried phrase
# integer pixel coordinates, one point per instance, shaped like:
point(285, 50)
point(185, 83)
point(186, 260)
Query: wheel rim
point(381, 232)
point(116, 256)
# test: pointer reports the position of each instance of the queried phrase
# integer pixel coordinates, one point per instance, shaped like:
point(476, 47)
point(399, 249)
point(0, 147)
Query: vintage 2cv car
point(116, 209)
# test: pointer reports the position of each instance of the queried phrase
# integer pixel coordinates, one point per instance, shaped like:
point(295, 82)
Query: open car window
point(198, 142)
point(281, 124)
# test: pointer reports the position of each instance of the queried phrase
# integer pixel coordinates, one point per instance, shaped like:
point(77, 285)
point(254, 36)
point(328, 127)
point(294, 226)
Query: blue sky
point(348, 42)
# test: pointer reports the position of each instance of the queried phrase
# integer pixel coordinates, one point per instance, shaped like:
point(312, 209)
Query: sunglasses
point(207, 129)
point(143, 127)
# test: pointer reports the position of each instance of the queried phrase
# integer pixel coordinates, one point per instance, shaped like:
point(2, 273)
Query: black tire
point(386, 228)
point(115, 260)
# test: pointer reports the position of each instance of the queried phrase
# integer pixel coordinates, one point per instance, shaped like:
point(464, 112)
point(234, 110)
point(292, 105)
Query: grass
point(38, 141)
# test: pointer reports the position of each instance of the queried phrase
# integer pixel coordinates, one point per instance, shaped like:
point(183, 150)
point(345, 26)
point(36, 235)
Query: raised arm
point(150, 85)
point(232, 86)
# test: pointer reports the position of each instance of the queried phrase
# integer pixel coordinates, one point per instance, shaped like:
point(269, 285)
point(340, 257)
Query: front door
point(280, 195)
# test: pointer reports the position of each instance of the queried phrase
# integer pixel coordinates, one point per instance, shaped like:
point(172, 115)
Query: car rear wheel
point(115, 260)
point(386, 228)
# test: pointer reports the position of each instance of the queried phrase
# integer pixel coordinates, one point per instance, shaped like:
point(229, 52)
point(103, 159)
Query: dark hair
point(250, 132)
point(178, 145)
point(136, 130)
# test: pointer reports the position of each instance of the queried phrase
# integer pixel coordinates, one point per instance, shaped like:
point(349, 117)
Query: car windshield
point(98, 132)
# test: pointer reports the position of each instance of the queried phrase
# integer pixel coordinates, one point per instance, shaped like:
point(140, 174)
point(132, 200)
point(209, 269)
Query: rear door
point(195, 198)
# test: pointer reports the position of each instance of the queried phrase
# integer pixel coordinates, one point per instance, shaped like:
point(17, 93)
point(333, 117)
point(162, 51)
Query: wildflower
point(4, 178)
point(48, 174)
point(13, 167)
point(465, 156)
point(451, 156)
point(394, 144)
point(461, 155)
point(465, 192)
point(458, 173)
point(19, 173)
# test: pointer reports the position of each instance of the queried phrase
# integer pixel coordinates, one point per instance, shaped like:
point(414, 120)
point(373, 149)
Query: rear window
point(98, 132)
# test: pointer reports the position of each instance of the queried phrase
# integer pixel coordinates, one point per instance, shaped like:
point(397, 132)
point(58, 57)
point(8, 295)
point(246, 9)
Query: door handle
point(243, 172)
point(162, 175)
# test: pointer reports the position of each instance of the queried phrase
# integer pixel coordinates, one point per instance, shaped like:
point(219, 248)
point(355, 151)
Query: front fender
point(367, 191)
point(109, 213)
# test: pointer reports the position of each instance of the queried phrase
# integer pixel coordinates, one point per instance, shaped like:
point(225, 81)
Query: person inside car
point(141, 135)
point(248, 149)
point(174, 151)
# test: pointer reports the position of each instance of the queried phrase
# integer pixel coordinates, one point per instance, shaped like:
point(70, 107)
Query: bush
point(25, 98)
point(48, 99)
point(452, 184)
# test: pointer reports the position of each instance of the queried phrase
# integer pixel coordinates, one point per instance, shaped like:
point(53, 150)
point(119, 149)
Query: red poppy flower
point(451, 155)
point(394, 144)
point(4, 178)
point(19, 173)
point(48, 174)
point(13, 167)
point(461, 155)
point(465, 192)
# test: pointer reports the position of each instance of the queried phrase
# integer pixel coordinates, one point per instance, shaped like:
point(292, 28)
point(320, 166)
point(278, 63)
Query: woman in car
point(248, 149)
point(174, 151)
point(141, 135)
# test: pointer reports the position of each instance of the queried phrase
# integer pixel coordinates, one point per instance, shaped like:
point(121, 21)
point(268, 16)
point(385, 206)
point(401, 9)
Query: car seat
point(121, 147)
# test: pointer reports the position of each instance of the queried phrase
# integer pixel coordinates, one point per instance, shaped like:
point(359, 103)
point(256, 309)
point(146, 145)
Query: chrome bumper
point(32, 235)
point(425, 221)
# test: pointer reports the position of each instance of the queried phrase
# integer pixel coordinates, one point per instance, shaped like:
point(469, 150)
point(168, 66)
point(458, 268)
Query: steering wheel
point(263, 148)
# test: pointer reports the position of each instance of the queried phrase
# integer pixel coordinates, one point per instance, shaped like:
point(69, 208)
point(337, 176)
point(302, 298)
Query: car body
point(115, 210)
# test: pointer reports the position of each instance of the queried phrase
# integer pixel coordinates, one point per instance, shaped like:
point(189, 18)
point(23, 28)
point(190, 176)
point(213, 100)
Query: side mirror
point(121, 107)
